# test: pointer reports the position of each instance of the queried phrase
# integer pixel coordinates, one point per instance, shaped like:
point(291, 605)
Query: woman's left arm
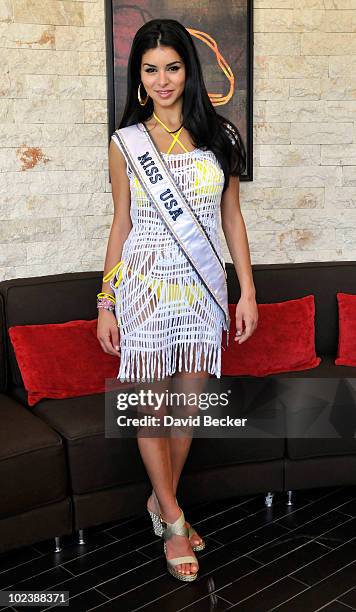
point(234, 229)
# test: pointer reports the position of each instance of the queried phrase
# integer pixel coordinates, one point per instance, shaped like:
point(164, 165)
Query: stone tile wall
point(55, 196)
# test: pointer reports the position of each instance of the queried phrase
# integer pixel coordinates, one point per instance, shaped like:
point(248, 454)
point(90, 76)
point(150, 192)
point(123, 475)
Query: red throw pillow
point(346, 350)
point(283, 340)
point(59, 360)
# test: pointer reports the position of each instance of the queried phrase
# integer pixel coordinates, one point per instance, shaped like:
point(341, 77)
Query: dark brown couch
point(56, 464)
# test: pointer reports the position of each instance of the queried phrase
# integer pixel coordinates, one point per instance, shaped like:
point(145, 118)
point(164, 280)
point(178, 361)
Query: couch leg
point(269, 499)
point(81, 536)
point(290, 501)
point(57, 544)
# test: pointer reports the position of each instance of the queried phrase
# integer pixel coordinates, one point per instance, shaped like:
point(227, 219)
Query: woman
point(170, 323)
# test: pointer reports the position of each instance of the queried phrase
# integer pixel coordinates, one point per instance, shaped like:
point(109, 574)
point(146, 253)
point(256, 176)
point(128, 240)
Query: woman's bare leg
point(187, 382)
point(156, 455)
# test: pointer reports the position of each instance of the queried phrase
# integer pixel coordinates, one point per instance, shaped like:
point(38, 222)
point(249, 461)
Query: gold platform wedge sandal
point(158, 530)
point(177, 528)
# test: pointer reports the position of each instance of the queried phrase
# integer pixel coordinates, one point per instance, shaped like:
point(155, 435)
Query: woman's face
point(163, 75)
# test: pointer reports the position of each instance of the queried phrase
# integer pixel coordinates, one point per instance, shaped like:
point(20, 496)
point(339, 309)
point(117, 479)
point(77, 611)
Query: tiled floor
point(286, 558)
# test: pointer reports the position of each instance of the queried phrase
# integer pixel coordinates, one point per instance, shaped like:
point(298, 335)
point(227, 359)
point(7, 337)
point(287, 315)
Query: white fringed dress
point(166, 316)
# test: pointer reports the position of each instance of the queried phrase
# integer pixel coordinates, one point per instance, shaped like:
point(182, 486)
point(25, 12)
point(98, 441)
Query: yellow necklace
point(174, 138)
point(199, 170)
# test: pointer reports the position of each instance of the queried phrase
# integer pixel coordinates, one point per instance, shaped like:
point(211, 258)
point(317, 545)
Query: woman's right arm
point(107, 329)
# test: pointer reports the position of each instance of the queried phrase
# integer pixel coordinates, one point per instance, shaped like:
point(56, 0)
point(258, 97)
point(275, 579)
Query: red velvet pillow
point(283, 340)
point(59, 360)
point(346, 350)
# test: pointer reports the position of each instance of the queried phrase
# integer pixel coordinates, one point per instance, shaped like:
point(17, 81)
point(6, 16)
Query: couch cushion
point(59, 360)
point(277, 282)
point(282, 342)
point(210, 453)
point(56, 298)
point(346, 351)
point(95, 462)
point(307, 448)
point(28, 447)
point(320, 415)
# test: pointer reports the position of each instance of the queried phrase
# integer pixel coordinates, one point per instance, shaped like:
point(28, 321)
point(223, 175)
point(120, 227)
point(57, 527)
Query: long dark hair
point(208, 129)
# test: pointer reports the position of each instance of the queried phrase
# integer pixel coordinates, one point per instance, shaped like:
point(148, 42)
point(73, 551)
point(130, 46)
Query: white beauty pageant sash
point(161, 188)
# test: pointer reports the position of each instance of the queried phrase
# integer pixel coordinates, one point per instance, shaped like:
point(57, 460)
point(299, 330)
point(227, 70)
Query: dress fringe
point(132, 360)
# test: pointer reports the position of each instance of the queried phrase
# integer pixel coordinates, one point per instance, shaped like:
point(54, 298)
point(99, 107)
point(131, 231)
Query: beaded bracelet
point(105, 303)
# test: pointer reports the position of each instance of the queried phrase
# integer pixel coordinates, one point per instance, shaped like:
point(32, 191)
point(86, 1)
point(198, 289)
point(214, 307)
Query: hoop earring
point(142, 102)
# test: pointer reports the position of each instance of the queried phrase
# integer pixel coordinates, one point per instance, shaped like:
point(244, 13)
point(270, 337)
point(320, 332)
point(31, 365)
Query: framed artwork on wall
point(223, 36)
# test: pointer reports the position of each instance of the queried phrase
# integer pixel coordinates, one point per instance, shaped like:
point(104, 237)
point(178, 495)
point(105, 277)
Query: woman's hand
point(246, 311)
point(108, 332)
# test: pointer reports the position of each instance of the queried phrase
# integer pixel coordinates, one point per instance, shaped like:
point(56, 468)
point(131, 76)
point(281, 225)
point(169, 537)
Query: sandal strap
point(176, 528)
point(186, 559)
